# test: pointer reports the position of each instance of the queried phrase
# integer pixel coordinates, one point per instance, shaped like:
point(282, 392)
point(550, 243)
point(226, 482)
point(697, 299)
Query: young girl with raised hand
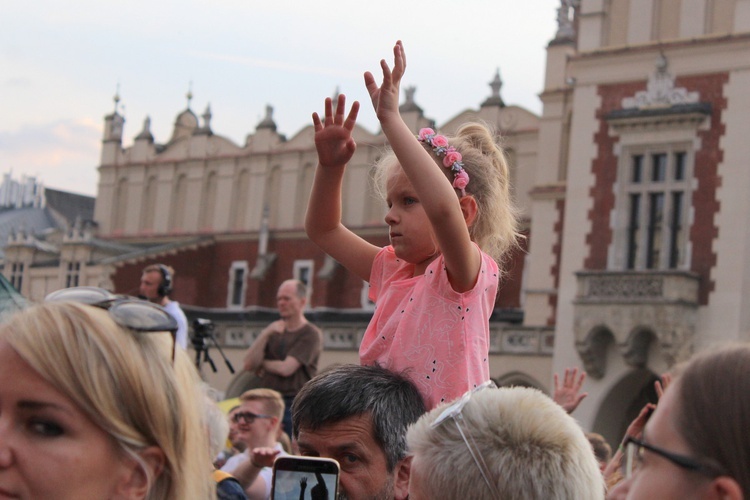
point(450, 216)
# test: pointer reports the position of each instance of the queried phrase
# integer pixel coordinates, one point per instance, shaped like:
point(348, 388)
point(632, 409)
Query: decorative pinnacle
point(116, 98)
point(496, 84)
point(189, 94)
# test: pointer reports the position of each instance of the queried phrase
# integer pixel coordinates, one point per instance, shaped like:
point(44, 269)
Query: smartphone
point(305, 478)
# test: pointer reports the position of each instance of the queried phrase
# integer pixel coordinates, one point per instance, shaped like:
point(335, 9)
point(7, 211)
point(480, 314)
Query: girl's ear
point(138, 477)
point(469, 208)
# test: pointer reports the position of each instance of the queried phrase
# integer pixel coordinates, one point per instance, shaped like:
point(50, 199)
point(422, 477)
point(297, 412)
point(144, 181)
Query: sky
point(61, 63)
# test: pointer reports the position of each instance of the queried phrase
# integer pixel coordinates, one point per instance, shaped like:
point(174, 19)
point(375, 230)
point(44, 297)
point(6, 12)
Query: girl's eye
point(409, 201)
point(46, 429)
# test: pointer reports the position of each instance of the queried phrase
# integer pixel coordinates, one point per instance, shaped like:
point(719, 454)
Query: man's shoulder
point(173, 308)
point(306, 329)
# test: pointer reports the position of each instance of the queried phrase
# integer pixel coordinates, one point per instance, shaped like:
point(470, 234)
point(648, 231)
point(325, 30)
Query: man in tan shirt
point(285, 354)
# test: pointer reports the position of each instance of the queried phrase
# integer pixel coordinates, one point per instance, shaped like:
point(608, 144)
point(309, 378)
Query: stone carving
point(635, 349)
point(593, 352)
point(409, 93)
point(565, 19)
point(625, 287)
point(660, 91)
point(410, 104)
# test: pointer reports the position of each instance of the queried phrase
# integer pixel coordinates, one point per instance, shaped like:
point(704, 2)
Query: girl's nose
point(390, 216)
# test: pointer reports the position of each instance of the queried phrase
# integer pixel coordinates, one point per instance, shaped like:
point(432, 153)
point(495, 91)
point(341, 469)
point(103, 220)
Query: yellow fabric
point(220, 475)
point(228, 404)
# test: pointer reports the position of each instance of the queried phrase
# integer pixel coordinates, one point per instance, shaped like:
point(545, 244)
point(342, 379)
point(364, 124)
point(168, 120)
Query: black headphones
point(165, 287)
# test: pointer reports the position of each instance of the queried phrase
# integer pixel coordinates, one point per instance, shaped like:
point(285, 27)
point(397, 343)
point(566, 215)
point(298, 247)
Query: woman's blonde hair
point(495, 228)
point(126, 383)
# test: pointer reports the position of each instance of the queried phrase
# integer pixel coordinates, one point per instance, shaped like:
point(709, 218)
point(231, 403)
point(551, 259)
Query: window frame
point(302, 267)
point(636, 246)
point(237, 265)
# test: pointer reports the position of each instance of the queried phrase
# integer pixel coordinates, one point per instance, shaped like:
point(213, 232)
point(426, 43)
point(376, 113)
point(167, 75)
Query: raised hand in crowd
point(568, 395)
point(263, 456)
point(635, 430)
point(662, 383)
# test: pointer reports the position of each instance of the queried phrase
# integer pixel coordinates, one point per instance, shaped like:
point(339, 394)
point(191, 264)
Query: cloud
point(63, 154)
point(16, 82)
point(277, 65)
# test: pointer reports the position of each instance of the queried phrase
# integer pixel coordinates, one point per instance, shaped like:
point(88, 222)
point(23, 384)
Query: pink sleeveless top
point(421, 326)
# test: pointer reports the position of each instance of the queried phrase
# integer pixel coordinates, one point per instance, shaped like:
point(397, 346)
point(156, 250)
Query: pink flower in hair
point(451, 156)
point(461, 180)
point(439, 141)
point(424, 133)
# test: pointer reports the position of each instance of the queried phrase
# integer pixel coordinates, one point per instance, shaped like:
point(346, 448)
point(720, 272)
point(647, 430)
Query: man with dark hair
point(285, 354)
point(156, 285)
point(358, 415)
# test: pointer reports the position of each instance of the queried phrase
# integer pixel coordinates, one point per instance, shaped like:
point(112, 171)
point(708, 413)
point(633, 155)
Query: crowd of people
point(98, 399)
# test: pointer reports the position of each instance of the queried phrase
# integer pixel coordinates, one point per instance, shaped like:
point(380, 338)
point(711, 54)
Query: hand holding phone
point(303, 478)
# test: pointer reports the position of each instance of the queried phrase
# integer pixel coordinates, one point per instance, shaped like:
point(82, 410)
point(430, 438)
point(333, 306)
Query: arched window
point(273, 196)
point(303, 196)
point(208, 203)
point(149, 204)
point(121, 204)
point(240, 201)
point(179, 204)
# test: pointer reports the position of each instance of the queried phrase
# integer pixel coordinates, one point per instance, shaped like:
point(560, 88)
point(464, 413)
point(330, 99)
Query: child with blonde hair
point(450, 218)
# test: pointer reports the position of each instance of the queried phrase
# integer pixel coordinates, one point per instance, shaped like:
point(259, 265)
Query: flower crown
point(451, 160)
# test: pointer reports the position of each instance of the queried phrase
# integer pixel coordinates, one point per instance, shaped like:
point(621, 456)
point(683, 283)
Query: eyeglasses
point(247, 417)
point(133, 314)
point(454, 412)
point(634, 457)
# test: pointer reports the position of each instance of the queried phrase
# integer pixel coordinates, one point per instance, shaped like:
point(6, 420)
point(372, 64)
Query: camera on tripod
point(202, 329)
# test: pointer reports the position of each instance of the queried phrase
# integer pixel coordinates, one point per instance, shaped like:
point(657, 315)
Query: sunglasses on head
point(453, 412)
point(128, 312)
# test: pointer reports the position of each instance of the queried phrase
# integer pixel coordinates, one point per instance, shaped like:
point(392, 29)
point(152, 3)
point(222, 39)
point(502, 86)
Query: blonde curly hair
point(495, 228)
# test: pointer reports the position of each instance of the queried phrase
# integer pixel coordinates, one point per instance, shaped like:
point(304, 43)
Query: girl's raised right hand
point(385, 97)
point(333, 136)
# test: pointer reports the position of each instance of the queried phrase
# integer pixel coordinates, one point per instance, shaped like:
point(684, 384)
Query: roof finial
point(495, 85)
point(268, 122)
point(116, 98)
point(189, 94)
point(207, 117)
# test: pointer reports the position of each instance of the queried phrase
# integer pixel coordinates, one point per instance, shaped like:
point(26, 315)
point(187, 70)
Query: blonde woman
point(96, 404)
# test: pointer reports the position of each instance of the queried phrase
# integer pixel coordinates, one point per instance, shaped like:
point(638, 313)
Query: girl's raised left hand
point(333, 135)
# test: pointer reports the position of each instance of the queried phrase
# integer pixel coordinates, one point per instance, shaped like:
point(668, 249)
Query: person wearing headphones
point(156, 285)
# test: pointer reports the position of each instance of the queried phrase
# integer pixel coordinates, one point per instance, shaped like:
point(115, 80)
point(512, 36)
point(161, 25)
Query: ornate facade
point(640, 243)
